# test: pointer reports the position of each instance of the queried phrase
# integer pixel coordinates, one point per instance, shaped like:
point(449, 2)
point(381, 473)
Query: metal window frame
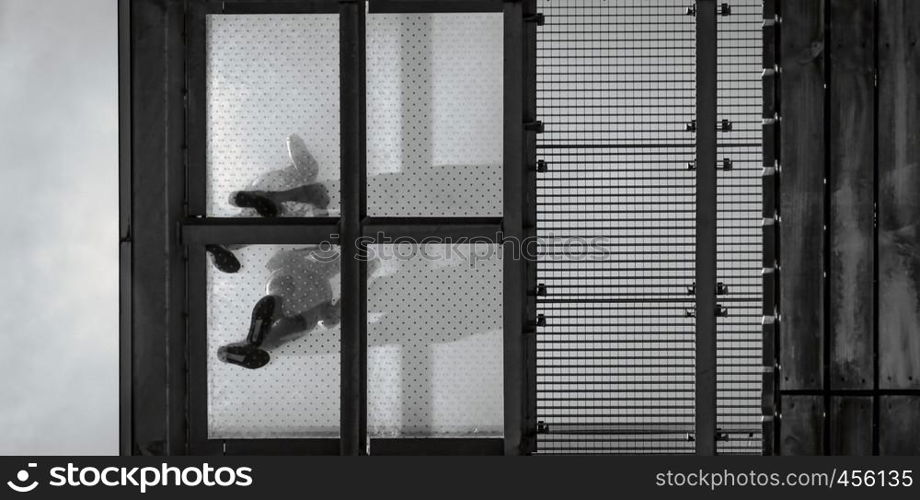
point(163, 134)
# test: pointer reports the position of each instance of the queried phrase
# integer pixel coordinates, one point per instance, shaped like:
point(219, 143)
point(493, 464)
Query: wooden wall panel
point(899, 193)
point(852, 188)
point(851, 426)
point(898, 418)
point(802, 425)
point(802, 199)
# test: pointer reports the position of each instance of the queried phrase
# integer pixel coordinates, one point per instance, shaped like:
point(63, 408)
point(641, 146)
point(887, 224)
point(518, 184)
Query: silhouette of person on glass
point(298, 296)
point(291, 191)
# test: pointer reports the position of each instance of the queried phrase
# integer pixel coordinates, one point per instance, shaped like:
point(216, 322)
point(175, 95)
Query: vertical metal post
point(125, 433)
point(770, 272)
point(529, 221)
point(706, 219)
point(354, 210)
point(514, 291)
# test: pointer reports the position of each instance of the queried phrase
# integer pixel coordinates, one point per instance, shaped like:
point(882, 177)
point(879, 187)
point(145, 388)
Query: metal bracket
point(727, 163)
point(723, 10)
point(725, 125)
point(720, 311)
point(541, 290)
point(770, 21)
point(541, 320)
point(541, 166)
point(721, 289)
point(537, 18)
point(542, 427)
point(691, 126)
point(536, 126)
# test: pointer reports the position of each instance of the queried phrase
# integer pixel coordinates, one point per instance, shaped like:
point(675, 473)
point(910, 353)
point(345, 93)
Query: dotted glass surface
point(435, 341)
point(268, 77)
point(434, 115)
point(296, 395)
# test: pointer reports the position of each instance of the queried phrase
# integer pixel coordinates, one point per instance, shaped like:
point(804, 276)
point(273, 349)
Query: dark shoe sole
point(243, 354)
point(262, 204)
point(224, 260)
point(263, 315)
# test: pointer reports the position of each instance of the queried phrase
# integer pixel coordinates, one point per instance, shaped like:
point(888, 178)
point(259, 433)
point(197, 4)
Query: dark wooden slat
point(852, 118)
point(851, 426)
point(899, 203)
point(801, 204)
point(802, 423)
point(898, 417)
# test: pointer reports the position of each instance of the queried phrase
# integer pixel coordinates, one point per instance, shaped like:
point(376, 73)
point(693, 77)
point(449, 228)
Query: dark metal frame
point(770, 272)
point(706, 223)
point(162, 102)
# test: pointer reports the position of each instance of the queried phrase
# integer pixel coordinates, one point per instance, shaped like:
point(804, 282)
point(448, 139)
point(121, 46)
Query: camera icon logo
point(21, 477)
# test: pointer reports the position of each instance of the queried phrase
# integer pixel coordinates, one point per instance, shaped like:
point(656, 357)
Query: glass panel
point(434, 115)
point(273, 341)
point(435, 341)
point(273, 115)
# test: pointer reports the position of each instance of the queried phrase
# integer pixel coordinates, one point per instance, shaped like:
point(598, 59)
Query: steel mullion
point(260, 231)
point(354, 209)
point(706, 224)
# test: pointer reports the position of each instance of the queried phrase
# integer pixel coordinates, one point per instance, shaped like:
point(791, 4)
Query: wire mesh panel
point(739, 334)
point(616, 205)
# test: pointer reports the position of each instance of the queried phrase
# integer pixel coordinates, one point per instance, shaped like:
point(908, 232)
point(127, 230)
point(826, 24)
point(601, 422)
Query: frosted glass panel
point(434, 114)
point(280, 306)
point(435, 341)
point(273, 115)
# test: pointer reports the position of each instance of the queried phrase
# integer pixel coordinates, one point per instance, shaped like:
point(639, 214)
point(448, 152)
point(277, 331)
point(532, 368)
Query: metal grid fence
point(739, 335)
point(616, 222)
point(615, 87)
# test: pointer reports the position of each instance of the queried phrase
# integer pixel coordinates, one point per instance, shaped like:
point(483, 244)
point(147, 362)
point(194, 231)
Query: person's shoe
point(257, 200)
point(243, 354)
point(224, 260)
point(263, 314)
